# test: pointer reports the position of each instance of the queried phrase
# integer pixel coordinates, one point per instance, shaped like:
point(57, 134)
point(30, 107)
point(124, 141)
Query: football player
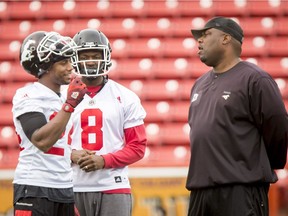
point(43, 176)
point(108, 132)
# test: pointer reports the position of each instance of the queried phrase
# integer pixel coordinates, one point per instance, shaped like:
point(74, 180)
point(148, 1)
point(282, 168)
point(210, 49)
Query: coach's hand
point(76, 92)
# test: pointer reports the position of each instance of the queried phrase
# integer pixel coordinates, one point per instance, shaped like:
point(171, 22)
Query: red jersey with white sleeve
point(44, 169)
point(101, 123)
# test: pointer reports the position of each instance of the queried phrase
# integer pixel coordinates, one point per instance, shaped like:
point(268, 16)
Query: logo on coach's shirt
point(118, 179)
point(226, 95)
point(194, 98)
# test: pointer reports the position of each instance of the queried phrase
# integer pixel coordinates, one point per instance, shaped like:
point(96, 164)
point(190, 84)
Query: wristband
point(67, 108)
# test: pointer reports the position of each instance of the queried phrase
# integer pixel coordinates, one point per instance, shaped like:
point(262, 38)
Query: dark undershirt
point(32, 121)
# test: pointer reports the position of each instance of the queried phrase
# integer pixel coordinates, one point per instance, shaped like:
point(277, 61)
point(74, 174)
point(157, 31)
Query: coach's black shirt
point(238, 127)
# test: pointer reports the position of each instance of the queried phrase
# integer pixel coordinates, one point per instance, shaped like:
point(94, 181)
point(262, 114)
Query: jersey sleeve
point(134, 114)
point(133, 150)
point(271, 119)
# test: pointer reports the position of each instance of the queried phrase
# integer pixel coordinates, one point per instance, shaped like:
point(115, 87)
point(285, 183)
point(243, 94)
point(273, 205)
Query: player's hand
point(76, 92)
point(77, 154)
point(91, 162)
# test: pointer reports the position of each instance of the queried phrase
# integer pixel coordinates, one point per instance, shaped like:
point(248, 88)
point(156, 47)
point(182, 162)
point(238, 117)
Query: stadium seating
point(26, 10)
point(8, 138)
point(230, 8)
point(6, 114)
point(165, 156)
point(8, 158)
point(266, 8)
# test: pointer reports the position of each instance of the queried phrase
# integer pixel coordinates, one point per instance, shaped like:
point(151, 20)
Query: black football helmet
point(92, 40)
point(40, 50)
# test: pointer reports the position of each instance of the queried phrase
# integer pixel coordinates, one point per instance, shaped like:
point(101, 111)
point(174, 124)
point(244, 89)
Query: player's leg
point(65, 209)
point(116, 204)
point(35, 207)
point(88, 203)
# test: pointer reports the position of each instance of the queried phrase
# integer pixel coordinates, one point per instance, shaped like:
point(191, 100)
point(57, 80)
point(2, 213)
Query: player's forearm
point(45, 137)
point(133, 151)
point(128, 155)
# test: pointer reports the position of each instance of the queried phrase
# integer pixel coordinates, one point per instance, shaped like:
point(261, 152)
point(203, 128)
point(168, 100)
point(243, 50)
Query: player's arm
point(45, 134)
point(41, 133)
point(133, 151)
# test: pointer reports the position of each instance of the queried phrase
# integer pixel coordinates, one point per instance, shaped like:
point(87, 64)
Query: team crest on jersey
point(91, 103)
point(118, 179)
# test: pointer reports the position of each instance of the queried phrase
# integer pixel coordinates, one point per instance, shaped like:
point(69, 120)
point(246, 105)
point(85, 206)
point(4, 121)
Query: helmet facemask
point(92, 67)
point(54, 47)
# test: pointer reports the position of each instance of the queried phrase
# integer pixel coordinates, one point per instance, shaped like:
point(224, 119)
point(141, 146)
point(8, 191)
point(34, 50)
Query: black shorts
point(42, 206)
point(236, 200)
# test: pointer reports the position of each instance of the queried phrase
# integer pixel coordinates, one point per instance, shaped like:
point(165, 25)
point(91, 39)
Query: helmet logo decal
point(26, 55)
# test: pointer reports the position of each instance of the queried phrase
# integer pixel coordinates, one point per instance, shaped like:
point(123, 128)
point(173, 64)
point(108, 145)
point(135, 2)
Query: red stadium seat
point(9, 50)
point(134, 68)
point(119, 48)
point(16, 30)
point(75, 25)
point(58, 9)
point(26, 10)
point(127, 8)
point(281, 25)
point(58, 25)
point(158, 111)
point(180, 111)
point(255, 46)
point(5, 10)
point(256, 26)
point(165, 111)
point(196, 8)
point(119, 27)
point(165, 156)
point(6, 114)
point(12, 71)
point(5, 71)
point(265, 8)
point(154, 27)
point(176, 68)
point(181, 26)
point(179, 47)
point(144, 48)
point(8, 91)
point(277, 46)
point(161, 8)
point(277, 66)
point(286, 104)
point(175, 133)
point(8, 138)
point(283, 86)
point(9, 158)
point(197, 68)
point(230, 8)
point(185, 89)
point(92, 9)
point(160, 90)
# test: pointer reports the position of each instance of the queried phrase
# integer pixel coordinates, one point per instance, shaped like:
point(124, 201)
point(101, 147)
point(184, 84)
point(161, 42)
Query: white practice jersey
point(98, 125)
point(34, 166)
